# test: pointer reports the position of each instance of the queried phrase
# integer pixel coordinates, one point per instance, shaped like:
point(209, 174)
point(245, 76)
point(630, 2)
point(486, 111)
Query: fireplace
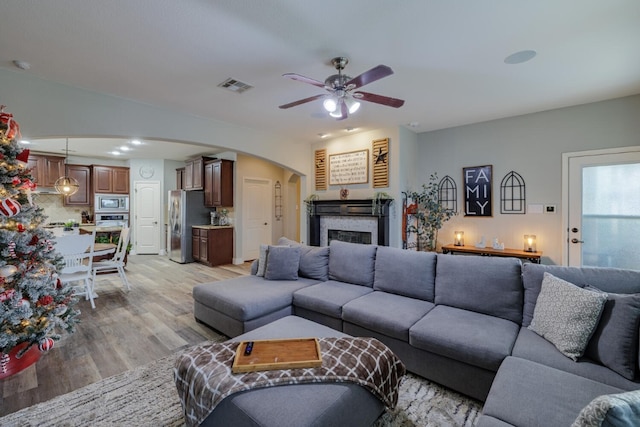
point(359, 221)
point(362, 237)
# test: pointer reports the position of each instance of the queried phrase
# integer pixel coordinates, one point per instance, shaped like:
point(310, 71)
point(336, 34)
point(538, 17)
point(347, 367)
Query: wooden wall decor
point(349, 168)
point(321, 169)
point(380, 149)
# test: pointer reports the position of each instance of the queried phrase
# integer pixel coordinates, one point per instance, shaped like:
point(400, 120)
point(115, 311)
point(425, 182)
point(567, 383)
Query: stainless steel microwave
point(111, 203)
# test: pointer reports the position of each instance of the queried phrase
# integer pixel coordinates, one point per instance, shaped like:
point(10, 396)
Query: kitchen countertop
point(212, 227)
point(90, 228)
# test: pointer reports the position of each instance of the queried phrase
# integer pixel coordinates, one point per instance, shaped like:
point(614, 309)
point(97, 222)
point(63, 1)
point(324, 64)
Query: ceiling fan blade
point(376, 73)
point(301, 101)
point(379, 99)
point(304, 79)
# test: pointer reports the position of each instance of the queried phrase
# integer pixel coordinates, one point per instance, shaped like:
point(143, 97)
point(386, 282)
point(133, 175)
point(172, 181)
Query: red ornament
point(34, 240)
point(9, 207)
point(23, 157)
point(45, 300)
point(46, 344)
point(10, 126)
point(20, 228)
point(7, 294)
point(15, 180)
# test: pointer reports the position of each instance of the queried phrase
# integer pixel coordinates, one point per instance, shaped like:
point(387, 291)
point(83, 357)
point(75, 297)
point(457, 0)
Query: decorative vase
point(344, 193)
point(10, 364)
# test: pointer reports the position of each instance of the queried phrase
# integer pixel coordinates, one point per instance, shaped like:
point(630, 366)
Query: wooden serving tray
point(278, 354)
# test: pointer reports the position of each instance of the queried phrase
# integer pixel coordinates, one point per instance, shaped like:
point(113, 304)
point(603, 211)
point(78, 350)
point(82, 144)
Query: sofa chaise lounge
point(462, 321)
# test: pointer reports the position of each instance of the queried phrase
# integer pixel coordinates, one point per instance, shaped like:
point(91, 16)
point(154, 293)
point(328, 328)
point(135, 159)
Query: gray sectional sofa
point(462, 321)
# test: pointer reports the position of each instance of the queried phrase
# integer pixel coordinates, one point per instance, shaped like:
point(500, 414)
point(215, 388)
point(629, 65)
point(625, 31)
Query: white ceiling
point(448, 56)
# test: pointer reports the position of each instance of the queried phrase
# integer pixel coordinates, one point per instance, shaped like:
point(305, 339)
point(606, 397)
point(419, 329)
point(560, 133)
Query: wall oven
point(112, 220)
point(111, 203)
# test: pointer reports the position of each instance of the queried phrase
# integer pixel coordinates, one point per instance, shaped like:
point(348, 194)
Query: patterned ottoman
point(310, 404)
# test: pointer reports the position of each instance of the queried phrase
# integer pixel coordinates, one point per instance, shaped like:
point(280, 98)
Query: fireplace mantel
point(362, 208)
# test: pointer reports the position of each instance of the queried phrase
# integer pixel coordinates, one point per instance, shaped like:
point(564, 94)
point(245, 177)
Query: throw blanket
point(203, 375)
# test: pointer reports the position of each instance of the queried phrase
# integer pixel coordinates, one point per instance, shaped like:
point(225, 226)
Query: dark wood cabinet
point(46, 169)
point(195, 243)
point(193, 178)
point(110, 179)
point(218, 183)
point(180, 179)
point(212, 246)
point(82, 174)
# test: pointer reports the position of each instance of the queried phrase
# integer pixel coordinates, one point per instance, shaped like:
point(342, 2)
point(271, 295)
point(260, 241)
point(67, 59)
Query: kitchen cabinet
point(46, 169)
point(110, 179)
point(200, 241)
point(218, 183)
point(82, 174)
point(212, 245)
point(180, 179)
point(193, 173)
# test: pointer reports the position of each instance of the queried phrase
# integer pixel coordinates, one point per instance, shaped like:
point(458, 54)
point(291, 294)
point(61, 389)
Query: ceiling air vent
point(235, 85)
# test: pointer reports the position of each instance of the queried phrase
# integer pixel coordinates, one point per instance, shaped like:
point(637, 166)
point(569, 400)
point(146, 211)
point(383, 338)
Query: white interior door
point(256, 213)
point(603, 214)
point(148, 215)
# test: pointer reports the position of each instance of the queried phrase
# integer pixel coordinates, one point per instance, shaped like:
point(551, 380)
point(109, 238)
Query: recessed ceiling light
point(116, 153)
point(125, 148)
point(25, 142)
point(323, 135)
point(520, 57)
point(136, 142)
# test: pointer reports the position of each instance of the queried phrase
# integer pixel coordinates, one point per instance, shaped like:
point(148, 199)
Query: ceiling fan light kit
point(342, 100)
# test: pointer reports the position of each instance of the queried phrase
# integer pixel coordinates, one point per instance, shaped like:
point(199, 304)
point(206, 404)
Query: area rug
point(147, 396)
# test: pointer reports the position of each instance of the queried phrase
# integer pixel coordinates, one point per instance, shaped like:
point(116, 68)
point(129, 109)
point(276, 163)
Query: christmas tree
point(34, 305)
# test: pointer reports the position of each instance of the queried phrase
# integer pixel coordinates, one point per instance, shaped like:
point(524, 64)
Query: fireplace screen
point(363, 237)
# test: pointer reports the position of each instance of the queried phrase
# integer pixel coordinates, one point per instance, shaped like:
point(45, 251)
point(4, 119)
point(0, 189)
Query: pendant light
point(66, 185)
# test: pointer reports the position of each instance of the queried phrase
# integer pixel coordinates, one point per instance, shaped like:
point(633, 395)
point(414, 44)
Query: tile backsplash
point(55, 210)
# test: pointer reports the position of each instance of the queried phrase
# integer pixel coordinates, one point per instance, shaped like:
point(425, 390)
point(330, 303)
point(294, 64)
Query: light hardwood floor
point(127, 329)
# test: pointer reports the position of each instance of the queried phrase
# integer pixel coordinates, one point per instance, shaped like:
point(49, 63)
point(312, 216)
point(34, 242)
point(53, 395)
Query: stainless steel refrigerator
point(186, 208)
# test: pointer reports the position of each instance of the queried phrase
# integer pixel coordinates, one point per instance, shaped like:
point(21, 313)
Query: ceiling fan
point(342, 100)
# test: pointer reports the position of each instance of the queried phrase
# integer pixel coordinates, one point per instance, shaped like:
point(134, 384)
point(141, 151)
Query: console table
point(514, 253)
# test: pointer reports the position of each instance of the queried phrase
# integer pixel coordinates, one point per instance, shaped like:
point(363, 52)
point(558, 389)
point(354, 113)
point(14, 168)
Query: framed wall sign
point(477, 191)
point(349, 168)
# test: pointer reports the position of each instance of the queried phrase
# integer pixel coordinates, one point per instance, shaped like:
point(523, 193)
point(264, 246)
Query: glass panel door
point(604, 210)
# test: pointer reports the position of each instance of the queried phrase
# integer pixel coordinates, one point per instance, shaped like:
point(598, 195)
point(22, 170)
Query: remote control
point(248, 348)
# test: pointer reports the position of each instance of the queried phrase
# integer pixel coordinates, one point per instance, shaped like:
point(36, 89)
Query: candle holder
point(458, 238)
point(530, 243)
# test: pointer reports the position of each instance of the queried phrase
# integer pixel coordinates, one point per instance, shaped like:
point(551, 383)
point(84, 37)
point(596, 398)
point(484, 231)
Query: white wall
point(531, 145)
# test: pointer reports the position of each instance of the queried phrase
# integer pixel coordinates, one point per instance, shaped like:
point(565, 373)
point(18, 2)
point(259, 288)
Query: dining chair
point(77, 253)
point(115, 264)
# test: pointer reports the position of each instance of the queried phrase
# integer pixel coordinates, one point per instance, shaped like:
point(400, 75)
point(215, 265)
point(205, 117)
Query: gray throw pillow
point(620, 410)
point(314, 262)
point(262, 260)
point(615, 341)
point(282, 263)
point(566, 315)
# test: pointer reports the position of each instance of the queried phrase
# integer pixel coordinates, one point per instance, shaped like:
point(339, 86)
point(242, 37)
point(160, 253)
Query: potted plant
point(429, 213)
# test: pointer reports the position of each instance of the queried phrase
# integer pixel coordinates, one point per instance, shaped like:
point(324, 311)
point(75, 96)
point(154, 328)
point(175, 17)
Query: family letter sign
point(477, 191)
